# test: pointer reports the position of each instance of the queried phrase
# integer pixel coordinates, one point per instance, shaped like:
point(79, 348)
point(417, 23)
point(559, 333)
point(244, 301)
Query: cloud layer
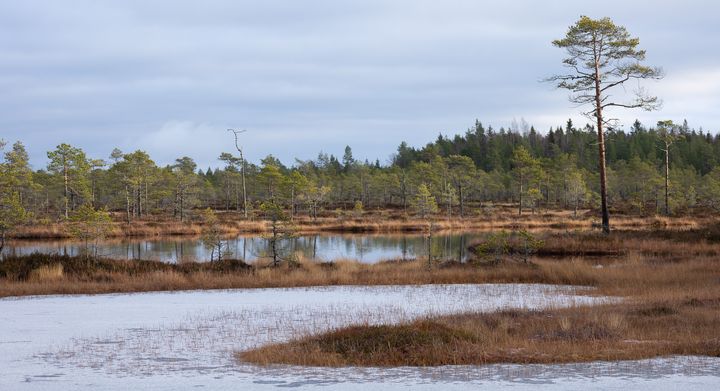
point(171, 76)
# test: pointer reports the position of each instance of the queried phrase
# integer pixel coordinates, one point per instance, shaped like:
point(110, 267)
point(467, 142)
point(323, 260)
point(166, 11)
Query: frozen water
point(186, 340)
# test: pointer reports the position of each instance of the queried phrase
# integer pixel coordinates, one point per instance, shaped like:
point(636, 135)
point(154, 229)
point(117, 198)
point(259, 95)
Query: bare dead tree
point(242, 168)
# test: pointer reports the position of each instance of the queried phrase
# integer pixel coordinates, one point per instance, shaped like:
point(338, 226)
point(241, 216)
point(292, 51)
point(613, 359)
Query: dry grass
point(109, 276)
point(669, 279)
point(624, 263)
point(141, 229)
point(381, 221)
point(47, 273)
point(671, 306)
point(608, 332)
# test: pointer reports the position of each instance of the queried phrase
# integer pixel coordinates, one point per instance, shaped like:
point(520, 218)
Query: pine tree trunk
point(576, 208)
point(146, 195)
point(139, 201)
point(127, 204)
point(65, 191)
point(292, 203)
point(667, 180)
point(520, 196)
point(462, 205)
point(274, 244)
point(601, 148)
point(182, 206)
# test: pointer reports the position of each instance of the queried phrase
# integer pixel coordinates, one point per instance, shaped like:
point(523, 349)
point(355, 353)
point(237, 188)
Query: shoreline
point(667, 279)
point(381, 222)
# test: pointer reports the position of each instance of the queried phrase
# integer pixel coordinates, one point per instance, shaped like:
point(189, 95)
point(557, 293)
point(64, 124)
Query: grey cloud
point(306, 76)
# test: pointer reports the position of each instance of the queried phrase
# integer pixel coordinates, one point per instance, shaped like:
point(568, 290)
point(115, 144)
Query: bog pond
point(186, 340)
point(324, 247)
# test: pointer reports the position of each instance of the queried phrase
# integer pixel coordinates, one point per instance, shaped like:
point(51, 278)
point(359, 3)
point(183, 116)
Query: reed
point(47, 273)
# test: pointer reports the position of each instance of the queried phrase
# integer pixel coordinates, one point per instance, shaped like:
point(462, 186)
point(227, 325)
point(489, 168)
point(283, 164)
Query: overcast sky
point(170, 77)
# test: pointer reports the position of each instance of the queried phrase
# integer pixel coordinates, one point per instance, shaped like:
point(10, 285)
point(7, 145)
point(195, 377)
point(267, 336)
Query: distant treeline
point(493, 149)
point(557, 169)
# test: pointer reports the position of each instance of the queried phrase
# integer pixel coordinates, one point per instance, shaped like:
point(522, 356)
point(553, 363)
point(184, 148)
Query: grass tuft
point(46, 273)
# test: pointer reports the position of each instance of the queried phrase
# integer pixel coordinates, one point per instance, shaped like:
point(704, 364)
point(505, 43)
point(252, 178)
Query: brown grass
point(110, 276)
point(47, 273)
point(625, 263)
point(669, 279)
point(379, 221)
point(671, 306)
point(608, 332)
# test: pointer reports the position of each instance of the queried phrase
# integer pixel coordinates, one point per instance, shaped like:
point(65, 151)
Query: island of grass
point(600, 333)
point(667, 283)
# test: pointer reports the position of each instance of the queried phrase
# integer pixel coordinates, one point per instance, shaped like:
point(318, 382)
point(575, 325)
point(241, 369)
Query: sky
point(170, 77)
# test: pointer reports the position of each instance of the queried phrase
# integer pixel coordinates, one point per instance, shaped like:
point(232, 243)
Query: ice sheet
point(186, 340)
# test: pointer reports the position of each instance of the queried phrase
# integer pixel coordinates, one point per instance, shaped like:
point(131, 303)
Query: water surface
point(323, 247)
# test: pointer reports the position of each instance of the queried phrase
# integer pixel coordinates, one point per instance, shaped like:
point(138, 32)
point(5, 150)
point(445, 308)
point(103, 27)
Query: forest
point(557, 169)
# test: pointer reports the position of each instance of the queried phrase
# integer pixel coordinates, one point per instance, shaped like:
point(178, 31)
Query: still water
point(360, 247)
